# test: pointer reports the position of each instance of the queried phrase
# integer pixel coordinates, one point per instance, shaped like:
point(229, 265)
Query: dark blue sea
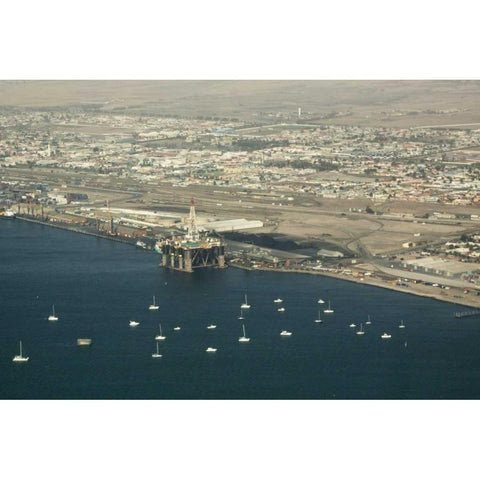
point(98, 286)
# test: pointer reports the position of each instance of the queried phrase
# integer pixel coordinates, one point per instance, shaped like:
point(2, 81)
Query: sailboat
point(20, 357)
point(386, 335)
point(211, 350)
point(52, 317)
point(361, 332)
point(352, 325)
point(211, 326)
point(153, 306)
point(278, 300)
point(368, 322)
point(329, 309)
point(177, 328)
point(320, 300)
point(156, 355)
point(244, 338)
point(318, 320)
point(245, 305)
point(134, 323)
point(285, 333)
point(281, 309)
point(401, 324)
point(160, 337)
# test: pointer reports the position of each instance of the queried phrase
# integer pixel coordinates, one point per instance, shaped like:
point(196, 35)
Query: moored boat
point(20, 357)
point(53, 317)
point(8, 215)
point(329, 309)
point(153, 306)
point(245, 305)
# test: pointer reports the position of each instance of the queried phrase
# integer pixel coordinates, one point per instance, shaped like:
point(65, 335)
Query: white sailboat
point(134, 323)
point(361, 332)
point(281, 309)
point(245, 305)
point(401, 324)
point(244, 338)
point(278, 300)
point(176, 328)
point(53, 317)
point(329, 309)
point(161, 336)
point(285, 333)
point(211, 326)
point(368, 322)
point(318, 320)
point(156, 355)
point(386, 335)
point(20, 357)
point(352, 325)
point(211, 350)
point(153, 306)
point(320, 300)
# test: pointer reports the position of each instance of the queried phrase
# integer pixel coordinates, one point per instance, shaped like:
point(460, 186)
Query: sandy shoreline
point(472, 302)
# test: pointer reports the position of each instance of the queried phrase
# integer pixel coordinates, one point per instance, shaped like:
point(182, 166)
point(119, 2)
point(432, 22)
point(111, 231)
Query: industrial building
point(440, 266)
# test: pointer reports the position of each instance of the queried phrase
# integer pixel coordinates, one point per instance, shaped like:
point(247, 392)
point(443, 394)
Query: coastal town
point(291, 191)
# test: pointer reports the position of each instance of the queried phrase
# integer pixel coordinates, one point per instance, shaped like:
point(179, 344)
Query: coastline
point(472, 301)
point(374, 282)
point(75, 230)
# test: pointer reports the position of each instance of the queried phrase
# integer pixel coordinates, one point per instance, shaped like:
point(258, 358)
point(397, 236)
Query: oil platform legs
point(186, 257)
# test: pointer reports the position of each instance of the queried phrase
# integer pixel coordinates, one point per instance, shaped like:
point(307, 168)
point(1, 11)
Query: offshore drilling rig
point(192, 250)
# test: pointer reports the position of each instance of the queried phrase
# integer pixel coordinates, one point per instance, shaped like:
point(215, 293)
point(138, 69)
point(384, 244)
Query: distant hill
point(376, 102)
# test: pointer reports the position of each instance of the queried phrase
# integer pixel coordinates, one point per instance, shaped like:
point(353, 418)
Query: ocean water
point(98, 285)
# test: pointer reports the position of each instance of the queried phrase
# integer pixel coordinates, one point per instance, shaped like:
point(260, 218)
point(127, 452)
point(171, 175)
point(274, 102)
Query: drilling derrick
point(192, 250)
point(192, 230)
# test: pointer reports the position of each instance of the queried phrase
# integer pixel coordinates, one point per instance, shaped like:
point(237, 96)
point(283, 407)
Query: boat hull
point(17, 358)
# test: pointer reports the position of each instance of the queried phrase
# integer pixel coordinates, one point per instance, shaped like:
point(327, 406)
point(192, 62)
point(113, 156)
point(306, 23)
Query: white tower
point(192, 231)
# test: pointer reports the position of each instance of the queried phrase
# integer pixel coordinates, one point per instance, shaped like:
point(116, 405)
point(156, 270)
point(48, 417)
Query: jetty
point(468, 313)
